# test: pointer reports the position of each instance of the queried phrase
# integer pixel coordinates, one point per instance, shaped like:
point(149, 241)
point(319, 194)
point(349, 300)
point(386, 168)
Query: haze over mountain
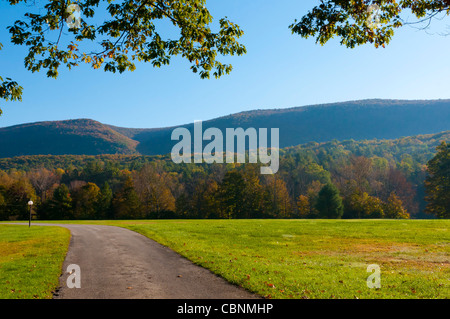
point(358, 120)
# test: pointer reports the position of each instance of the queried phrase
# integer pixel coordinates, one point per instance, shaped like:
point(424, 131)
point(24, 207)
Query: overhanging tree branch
point(129, 35)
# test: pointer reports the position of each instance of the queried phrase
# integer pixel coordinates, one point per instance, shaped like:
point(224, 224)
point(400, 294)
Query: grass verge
point(31, 260)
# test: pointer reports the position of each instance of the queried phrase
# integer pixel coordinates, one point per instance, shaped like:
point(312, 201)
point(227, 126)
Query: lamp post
point(30, 203)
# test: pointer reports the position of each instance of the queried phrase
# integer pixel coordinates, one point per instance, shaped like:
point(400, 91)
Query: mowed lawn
point(31, 260)
point(315, 258)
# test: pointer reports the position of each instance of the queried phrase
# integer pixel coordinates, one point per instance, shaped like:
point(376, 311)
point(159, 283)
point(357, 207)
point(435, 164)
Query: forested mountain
point(357, 120)
point(78, 137)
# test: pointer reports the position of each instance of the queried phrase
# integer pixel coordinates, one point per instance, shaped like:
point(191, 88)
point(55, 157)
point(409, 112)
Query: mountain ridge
point(63, 137)
point(358, 120)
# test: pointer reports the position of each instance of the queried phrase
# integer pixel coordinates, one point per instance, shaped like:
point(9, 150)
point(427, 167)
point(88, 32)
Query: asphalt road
point(116, 263)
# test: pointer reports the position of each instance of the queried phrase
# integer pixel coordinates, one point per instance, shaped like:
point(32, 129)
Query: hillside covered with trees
point(357, 120)
point(360, 179)
point(79, 137)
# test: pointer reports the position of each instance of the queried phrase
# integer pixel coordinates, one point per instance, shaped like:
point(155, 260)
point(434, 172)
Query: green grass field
point(31, 260)
point(316, 258)
point(283, 258)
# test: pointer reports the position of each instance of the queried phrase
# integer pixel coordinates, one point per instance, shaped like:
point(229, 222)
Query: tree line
point(328, 185)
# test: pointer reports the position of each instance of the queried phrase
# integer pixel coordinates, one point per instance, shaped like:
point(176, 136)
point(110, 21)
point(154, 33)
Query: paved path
point(116, 263)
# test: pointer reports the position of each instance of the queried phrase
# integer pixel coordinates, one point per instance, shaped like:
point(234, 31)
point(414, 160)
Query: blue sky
point(280, 70)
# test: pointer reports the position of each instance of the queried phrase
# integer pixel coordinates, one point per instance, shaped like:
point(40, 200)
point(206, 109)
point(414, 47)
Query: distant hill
point(357, 120)
point(77, 137)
